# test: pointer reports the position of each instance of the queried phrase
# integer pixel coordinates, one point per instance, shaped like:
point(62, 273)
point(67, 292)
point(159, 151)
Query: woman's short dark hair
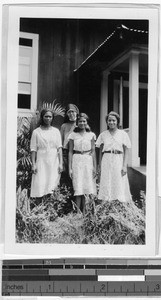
point(115, 114)
point(43, 112)
point(82, 115)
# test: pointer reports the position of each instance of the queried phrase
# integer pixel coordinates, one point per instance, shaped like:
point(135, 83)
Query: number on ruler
point(48, 262)
point(157, 287)
point(103, 288)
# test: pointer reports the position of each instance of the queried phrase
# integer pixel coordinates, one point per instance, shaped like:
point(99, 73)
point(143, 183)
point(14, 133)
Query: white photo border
point(149, 13)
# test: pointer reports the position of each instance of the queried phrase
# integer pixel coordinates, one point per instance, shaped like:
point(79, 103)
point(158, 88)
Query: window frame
point(34, 71)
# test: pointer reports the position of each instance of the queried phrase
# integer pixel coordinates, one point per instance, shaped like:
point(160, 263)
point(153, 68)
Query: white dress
point(46, 143)
point(113, 186)
point(82, 164)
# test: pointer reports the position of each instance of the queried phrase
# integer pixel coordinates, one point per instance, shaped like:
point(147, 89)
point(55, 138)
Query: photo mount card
point(35, 16)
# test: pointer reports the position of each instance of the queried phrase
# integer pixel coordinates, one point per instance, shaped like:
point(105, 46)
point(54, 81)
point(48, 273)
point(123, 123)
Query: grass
point(55, 220)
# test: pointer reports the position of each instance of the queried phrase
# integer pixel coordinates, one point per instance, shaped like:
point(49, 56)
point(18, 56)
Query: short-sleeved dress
point(113, 186)
point(46, 143)
point(82, 164)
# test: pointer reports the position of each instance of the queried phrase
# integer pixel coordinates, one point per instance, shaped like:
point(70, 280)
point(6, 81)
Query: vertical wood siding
point(63, 45)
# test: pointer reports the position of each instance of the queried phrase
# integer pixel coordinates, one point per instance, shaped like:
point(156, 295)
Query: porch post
point(121, 101)
point(115, 96)
point(104, 101)
point(134, 159)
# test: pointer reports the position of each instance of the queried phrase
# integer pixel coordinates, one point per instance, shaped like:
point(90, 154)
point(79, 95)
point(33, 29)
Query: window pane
point(24, 73)
point(25, 42)
point(25, 52)
point(24, 101)
point(25, 64)
point(24, 88)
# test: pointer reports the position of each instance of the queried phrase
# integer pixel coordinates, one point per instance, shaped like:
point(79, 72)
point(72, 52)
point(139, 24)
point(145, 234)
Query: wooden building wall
point(63, 45)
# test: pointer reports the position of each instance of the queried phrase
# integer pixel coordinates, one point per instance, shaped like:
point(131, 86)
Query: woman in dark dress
point(67, 127)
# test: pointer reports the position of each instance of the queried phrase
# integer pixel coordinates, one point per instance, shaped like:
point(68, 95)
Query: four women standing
point(46, 152)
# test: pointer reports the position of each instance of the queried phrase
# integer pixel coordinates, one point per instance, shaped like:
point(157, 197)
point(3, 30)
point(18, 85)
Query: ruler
point(81, 277)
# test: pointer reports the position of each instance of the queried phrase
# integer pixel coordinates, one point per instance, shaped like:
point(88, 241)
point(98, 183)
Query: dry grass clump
point(66, 230)
point(51, 221)
point(34, 217)
point(115, 223)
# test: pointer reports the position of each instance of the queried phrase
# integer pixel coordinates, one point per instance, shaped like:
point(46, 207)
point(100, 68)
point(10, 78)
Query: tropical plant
point(34, 218)
point(57, 109)
point(31, 226)
point(23, 152)
point(141, 202)
point(23, 202)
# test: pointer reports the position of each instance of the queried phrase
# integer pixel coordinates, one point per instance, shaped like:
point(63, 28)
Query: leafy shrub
point(30, 224)
point(23, 202)
point(141, 203)
point(30, 227)
point(59, 201)
point(33, 217)
point(23, 152)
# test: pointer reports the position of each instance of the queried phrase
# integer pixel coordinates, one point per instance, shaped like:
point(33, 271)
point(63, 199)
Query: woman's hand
point(60, 168)
point(70, 173)
point(124, 171)
point(34, 169)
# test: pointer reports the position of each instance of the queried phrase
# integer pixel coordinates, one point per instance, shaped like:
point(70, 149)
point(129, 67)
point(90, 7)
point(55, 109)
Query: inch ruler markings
point(68, 277)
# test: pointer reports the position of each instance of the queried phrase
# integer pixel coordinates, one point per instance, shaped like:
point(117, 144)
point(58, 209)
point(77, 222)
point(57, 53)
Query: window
point(28, 72)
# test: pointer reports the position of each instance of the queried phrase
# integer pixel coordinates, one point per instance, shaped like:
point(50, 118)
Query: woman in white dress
point(46, 154)
point(113, 156)
point(82, 161)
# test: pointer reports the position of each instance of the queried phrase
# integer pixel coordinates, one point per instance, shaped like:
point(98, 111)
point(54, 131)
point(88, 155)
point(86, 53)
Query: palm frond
point(23, 125)
point(24, 161)
point(57, 109)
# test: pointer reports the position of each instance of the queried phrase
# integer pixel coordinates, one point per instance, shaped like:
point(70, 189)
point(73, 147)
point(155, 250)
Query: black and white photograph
point(81, 137)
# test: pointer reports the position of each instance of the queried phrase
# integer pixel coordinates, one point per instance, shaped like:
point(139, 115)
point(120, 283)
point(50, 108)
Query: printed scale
point(81, 277)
